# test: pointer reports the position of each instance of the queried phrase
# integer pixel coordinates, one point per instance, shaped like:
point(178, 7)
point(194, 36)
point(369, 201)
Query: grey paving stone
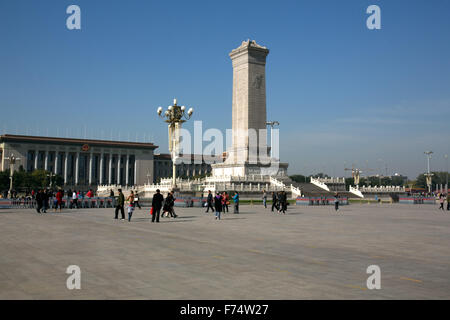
point(309, 253)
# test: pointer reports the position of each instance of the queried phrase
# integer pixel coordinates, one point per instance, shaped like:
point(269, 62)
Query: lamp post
point(272, 124)
point(428, 175)
point(50, 178)
point(446, 180)
point(174, 117)
point(12, 161)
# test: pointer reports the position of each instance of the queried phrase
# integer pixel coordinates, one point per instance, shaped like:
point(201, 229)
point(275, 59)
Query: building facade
point(81, 162)
point(188, 166)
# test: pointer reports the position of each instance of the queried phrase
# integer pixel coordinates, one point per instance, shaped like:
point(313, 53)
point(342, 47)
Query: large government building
point(85, 163)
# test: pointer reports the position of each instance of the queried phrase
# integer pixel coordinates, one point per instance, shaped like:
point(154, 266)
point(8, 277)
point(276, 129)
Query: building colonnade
point(86, 168)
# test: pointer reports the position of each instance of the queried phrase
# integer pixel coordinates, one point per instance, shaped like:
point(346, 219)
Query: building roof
point(168, 157)
point(71, 141)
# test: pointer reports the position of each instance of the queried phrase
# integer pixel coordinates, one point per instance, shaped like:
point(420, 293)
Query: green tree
point(299, 178)
point(438, 177)
point(349, 182)
point(4, 180)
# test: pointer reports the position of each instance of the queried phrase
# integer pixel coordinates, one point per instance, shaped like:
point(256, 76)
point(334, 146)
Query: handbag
point(151, 210)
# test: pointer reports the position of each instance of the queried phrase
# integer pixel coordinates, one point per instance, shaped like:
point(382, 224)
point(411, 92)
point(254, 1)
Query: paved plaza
point(309, 253)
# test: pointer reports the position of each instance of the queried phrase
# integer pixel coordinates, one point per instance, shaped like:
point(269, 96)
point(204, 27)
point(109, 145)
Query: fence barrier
point(417, 200)
point(317, 201)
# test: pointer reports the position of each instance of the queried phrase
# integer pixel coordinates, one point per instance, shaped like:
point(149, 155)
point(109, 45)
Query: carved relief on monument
point(258, 81)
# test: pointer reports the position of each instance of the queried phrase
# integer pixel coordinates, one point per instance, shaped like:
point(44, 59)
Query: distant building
point(186, 166)
point(81, 162)
point(88, 163)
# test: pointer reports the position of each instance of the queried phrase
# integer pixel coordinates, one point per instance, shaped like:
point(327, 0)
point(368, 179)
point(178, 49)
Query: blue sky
point(342, 93)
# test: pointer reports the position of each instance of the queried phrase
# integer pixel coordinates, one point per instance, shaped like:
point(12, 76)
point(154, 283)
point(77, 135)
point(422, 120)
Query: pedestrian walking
point(136, 200)
point(168, 206)
point(130, 201)
point(264, 197)
point(39, 200)
point(441, 201)
point(282, 199)
point(172, 205)
point(336, 202)
point(279, 202)
point(218, 205)
point(59, 196)
point(45, 198)
point(74, 199)
point(225, 201)
point(274, 200)
point(448, 201)
point(236, 202)
point(119, 206)
point(157, 202)
point(209, 202)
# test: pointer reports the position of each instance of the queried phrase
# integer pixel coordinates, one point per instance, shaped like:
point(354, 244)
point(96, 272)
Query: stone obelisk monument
point(249, 131)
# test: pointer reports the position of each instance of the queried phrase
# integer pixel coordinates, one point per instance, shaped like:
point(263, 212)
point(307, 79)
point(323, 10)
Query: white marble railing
point(320, 184)
point(247, 178)
point(399, 189)
point(296, 192)
point(276, 182)
point(331, 180)
point(356, 192)
point(250, 187)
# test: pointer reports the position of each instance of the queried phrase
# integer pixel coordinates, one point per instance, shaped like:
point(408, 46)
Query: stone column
point(119, 163)
point(135, 171)
point(56, 162)
point(102, 155)
point(46, 161)
point(91, 159)
point(77, 167)
point(36, 157)
point(66, 164)
point(127, 170)
point(110, 169)
point(3, 160)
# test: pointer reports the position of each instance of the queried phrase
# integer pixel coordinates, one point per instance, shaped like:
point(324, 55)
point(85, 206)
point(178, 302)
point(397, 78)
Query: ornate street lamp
point(428, 175)
point(50, 178)
point(12, 161)
point(175, 115)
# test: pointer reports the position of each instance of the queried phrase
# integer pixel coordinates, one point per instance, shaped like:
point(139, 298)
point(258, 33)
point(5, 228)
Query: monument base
point(276, 170)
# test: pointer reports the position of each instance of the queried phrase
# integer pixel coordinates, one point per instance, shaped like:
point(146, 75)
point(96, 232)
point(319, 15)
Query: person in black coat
point(157, 203)
point(284, 202)
point(218, 205)
point(209, 202)
point(274, 200)
point(168, 206)
point(39, 200)
point(45, 197)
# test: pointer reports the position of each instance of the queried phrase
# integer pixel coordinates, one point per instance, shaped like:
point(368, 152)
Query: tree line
point(26, 181)
point(439, 177)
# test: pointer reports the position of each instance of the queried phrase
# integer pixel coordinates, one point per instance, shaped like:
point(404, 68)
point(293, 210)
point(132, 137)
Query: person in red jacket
point(59, 196)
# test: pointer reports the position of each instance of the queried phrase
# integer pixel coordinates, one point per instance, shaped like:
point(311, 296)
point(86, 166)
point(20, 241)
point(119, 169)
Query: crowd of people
point(279, 202)
point(132, 201)
point(220, 202)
